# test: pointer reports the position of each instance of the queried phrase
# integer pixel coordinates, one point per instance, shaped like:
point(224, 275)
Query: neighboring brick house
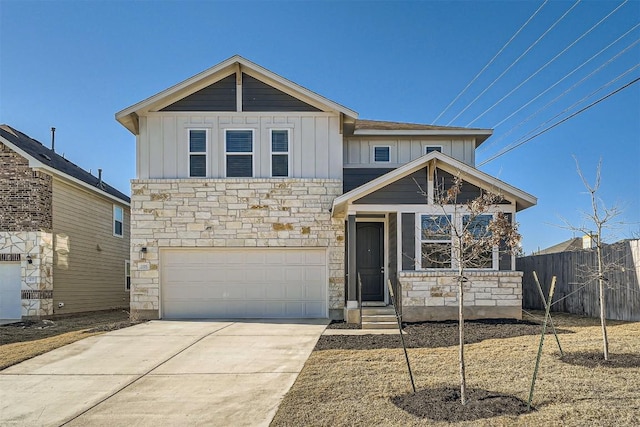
point(256, 197)
point(64, 234)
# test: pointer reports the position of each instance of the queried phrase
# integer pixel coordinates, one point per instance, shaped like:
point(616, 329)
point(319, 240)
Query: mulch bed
point(443, 404)
point(432, 334)
point(594, 359)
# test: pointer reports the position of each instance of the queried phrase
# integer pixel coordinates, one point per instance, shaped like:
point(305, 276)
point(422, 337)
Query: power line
point(580, 100)
point(548, 63)
point(516, 61)
point(491, 61)
point(560, 122)
point(588, 76)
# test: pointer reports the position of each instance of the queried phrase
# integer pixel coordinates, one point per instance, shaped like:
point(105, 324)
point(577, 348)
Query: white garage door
point(10, 303)
point(243, 283)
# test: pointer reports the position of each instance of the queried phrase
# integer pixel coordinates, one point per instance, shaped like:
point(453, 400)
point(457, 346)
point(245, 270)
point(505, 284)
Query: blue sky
point(74, 64)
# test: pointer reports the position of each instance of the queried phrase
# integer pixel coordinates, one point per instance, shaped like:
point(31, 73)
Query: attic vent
point(10, 257)
point(45, 156)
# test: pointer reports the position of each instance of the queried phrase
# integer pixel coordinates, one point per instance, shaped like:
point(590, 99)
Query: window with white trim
point(118, 221)
point(381, 154)
point(239, 153)
point(435, 241)
point(280, 152)
point(478, 226)
point(127, 276)
point(198, 153)
point(430, 148)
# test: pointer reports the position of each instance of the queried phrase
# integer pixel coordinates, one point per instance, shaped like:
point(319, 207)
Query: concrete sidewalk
point(214, 373)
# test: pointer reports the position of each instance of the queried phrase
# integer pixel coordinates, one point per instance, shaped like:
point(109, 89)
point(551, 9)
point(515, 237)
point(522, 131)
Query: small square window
point(118, 221)
point(381, 154)
point(430, 148)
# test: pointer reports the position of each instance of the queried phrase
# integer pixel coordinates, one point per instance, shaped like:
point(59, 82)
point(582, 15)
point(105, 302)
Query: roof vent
point(53, 140)
point(45, 156)
point(100, 184)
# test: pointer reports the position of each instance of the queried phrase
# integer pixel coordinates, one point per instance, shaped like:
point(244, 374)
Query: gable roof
point(570, 245)
point(41, 157)
point(129, 116)
point(379, 127)
point(471, 175)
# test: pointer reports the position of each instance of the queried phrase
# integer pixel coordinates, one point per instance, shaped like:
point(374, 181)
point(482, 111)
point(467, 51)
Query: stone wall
point(229, 212)
point(433, 295)
point(25, 195)
point(37, 276)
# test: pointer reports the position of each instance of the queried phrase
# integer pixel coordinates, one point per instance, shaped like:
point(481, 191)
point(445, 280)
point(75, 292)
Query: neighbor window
point(239, 151)
point(280, 153)
point(381, 154)
point(127, 276)
point(430, 148)
point(118, 221)
point(197, 153)
point(435, 241)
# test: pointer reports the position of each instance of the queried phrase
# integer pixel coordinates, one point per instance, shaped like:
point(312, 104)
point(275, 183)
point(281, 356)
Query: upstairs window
point(118, 221)
point(280, 153)
point(430, 148)
point(239, 153)
point(197, 153)
point(381, 154)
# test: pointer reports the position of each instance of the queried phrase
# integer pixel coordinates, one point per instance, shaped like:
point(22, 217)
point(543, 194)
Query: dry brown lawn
point(356, 387)
point(27, 339)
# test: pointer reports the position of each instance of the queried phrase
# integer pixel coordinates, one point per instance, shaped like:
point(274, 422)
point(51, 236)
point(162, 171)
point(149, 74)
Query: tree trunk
point(463, 380)
point(603, 320)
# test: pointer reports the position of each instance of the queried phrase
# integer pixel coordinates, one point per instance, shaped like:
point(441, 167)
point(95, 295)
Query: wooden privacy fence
point(577, 286)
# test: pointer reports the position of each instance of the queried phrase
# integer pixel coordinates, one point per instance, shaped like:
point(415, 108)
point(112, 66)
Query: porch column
point(352, 275)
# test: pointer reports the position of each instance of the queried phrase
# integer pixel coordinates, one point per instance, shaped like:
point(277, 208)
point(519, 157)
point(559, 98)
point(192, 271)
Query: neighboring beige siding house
point(64, 234)
point(256, 197)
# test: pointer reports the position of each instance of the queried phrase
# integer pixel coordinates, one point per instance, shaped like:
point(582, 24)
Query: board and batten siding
point(358, 151)
point(88, 260)
point(315, 143)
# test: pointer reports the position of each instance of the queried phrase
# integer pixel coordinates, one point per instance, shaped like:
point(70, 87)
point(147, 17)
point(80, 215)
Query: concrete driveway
point(162, 373)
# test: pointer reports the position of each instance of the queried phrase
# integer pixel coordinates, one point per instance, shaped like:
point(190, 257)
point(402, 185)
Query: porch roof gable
point(470, 174)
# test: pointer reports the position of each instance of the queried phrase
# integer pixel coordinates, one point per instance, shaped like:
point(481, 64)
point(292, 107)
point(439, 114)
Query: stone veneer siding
point(433, 295)
point(25, 195)
point(37, 277)
point(231, 212)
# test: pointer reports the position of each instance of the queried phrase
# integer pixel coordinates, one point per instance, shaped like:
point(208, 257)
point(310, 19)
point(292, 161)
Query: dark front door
point(370, 259)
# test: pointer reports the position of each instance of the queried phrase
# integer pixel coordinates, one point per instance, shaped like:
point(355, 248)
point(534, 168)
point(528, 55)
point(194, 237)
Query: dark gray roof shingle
point(50, 158)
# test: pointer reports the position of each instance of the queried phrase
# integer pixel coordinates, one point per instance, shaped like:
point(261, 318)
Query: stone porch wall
point(37, 277)
point(433, 295)
point(232, 212)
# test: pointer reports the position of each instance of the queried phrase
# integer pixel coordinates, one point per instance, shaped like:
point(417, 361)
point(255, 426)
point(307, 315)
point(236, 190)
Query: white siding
point(316, 143)
point(358, 151)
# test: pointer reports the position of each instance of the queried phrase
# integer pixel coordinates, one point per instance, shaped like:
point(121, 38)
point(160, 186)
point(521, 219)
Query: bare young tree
point(465, 236)
point(595, 222)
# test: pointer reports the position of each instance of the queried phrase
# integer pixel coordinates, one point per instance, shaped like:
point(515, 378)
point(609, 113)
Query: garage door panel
point(252, 282)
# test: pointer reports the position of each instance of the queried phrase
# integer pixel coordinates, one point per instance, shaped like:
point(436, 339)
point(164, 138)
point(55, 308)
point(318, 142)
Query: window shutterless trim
point(373, 154)
point(282, 153)
point(241, 153)
point(115, 221)
point(426, 147)
point(198, 153)
point(419, 240)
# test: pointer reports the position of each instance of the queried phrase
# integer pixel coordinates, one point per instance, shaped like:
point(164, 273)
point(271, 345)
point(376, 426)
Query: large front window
point(435, 241)
point(438, 242)
point(239, 151)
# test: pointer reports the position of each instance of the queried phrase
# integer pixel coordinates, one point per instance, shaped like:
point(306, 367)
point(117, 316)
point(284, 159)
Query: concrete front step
point(378, 317)
point(371, 311)
point(379, 325)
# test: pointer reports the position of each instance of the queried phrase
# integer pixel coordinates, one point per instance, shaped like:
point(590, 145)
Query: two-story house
point(256, 197)
point(64, 234)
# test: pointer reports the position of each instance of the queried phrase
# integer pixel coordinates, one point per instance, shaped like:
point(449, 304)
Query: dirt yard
point(24, 340)
point(363, 380)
